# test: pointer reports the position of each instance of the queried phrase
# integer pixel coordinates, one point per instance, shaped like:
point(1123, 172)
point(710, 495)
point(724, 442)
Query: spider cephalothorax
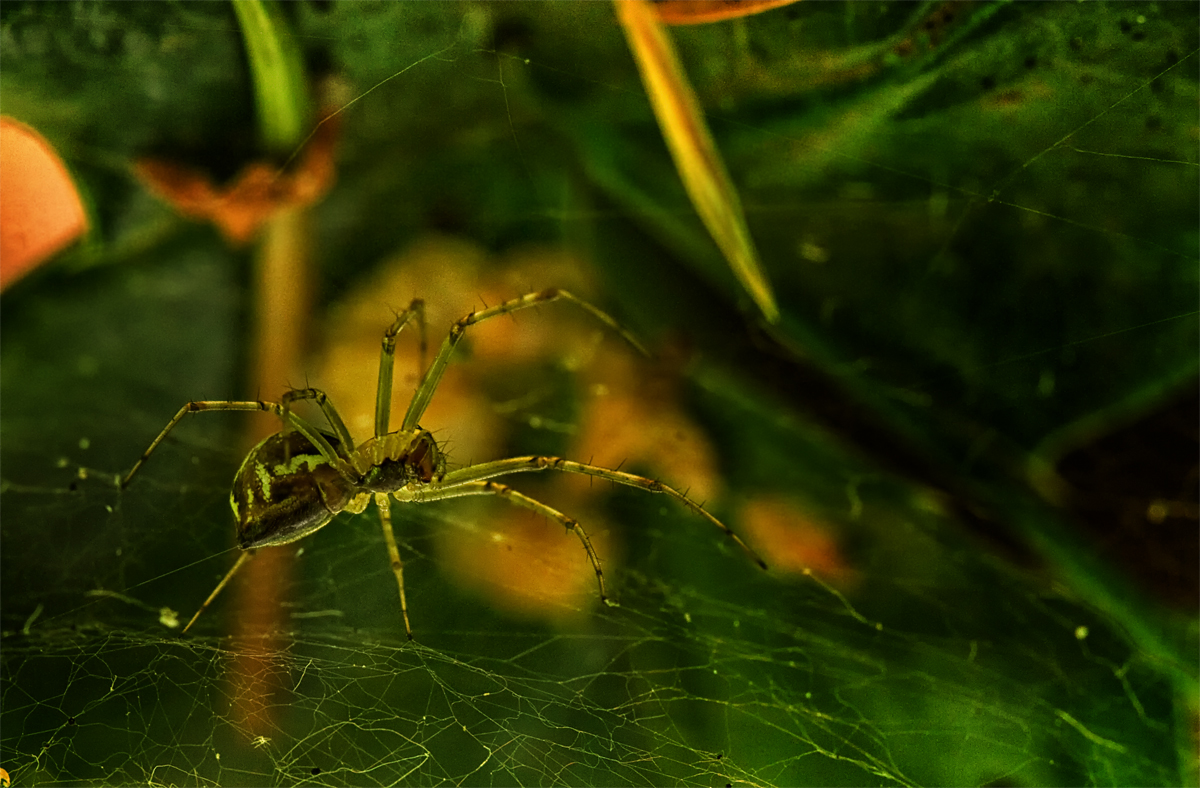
point(295, 481)
point(398, 459)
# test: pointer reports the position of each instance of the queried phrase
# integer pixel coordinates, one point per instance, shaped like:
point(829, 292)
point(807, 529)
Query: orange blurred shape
point(444, 272)
point(698, 12)
point(521, 562)
point(622, 429)
point(259, 191)
point(792, 540)
point(454, 277)
point(561, 331)
point(526, 564)
point(40, 209)
point(631, 413)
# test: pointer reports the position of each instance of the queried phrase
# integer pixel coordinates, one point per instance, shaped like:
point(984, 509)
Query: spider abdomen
point(285, 490)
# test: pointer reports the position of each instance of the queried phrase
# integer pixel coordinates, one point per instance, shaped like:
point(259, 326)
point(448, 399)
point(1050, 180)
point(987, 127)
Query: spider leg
point(487, 470)
point(433, 375)
point(385, 519)
point(291, 419)
point(331, 415)
point(387, 353)
point(246, 556)
point(436, 492)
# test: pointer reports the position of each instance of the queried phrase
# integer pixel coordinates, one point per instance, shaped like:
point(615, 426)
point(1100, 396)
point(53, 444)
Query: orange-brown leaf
point(240, 208)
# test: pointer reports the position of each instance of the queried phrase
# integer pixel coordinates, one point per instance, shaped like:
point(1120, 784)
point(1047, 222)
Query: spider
point(295, 481)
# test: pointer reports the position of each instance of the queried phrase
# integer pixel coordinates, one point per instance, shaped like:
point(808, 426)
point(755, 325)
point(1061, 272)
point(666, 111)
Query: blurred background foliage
point(967, 451)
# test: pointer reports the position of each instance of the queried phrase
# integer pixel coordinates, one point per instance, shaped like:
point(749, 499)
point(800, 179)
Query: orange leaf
point(41, 211)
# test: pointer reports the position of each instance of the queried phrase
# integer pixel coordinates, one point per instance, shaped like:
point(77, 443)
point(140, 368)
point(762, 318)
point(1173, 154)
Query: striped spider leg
point(295, 481)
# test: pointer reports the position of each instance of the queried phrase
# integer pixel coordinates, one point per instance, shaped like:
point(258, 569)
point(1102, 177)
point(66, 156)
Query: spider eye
point(423, 457)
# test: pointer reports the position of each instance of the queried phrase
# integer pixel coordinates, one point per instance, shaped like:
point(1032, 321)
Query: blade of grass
point(278, 74)
point(696, 156)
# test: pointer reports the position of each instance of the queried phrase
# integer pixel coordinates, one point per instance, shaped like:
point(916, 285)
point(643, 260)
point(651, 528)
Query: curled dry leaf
point(259, 191)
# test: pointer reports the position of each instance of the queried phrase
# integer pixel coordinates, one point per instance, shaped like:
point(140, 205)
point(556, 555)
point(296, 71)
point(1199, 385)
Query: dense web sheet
point(677, 686)
point(984, 229)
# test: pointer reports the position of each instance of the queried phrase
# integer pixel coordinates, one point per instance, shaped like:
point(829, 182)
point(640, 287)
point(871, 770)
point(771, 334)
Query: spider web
point(938, 658)
point(686, 682)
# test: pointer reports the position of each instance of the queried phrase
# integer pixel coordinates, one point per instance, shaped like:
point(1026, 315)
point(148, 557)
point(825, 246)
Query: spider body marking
point(286, 489)
point(296, 481)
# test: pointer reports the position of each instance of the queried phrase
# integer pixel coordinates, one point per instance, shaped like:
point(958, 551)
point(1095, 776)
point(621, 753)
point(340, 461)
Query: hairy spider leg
point(436, 490)
point(517, 499)
point(356, 506)
point(433, 375)
point(242, 560)
point(346, 443)
point(387, 353)
point(300, 425)
point(385, 520)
